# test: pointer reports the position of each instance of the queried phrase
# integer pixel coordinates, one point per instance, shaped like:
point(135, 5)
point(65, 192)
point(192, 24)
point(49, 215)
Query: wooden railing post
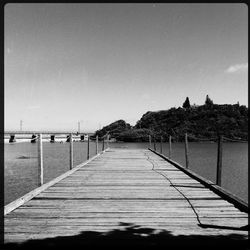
point(70, 151)
point(150, 143)
point(107, 141)
point(103, 143)
point(161, 144)
point(186, 150)
point(96, 141)
point(88, 149)
point(170, 146)
point(219, 161)
point(154, 144)
point(40, 160)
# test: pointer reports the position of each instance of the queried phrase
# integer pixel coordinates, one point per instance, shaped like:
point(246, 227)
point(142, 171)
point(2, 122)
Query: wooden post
point(88, 149)
point(107, 141)
point(150, 143)
point(103, 143)
point(170, 146)
point(161, 144)
point(219, 161)
point(40, 160)
point(96, 141)
point(70, 152)
point(154, 144)
point(186, 150)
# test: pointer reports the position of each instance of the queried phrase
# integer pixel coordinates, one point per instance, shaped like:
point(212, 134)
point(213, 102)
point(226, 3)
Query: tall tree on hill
point(186, 104)
point(209, 103)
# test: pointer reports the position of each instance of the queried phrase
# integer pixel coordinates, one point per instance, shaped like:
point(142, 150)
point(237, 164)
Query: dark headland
point(205, 121)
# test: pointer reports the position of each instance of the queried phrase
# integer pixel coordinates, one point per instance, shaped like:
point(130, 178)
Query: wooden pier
point(131, 191)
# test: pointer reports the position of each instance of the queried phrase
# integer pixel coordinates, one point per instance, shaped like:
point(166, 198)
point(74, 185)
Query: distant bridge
point(30, 132)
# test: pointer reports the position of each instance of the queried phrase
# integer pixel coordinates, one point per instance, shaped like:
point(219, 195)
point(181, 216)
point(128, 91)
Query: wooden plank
point(117, 208)
point(74, 228)
point(11, 222)
point(64, 229)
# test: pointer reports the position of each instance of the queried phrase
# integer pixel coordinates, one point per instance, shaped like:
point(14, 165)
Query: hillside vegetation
point(205, 121)
point(114, 129)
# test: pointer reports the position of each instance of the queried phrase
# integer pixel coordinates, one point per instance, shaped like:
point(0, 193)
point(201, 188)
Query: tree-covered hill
point(200, 121)
point(114, 129)
point(205, 121)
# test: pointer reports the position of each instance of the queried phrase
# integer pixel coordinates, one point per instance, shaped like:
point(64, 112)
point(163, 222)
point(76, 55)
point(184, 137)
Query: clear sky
point(97, 63)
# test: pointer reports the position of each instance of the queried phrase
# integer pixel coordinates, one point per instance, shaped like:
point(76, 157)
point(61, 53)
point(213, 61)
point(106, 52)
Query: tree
point(209, 103)
point(186, 104)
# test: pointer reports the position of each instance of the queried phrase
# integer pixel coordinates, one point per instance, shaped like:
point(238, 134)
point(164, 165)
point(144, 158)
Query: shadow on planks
point(135, 236)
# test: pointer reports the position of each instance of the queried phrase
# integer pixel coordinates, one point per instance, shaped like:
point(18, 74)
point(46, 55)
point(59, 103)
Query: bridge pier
point(52, 138)
point(12, 138)
point(68, 138)
point(33, 138)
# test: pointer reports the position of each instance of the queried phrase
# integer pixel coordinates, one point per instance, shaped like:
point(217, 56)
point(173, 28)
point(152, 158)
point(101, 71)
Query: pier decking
point(121, 189)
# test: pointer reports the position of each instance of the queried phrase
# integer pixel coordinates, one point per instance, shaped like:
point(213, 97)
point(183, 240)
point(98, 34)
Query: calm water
point(21, 163)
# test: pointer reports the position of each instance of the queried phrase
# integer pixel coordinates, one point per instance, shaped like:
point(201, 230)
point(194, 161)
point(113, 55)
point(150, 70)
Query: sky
point(98, 63)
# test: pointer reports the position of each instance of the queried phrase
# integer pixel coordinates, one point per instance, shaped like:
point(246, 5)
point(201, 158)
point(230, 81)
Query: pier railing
point(98, 145)
point(37, 136)
point(220, 139)
point(156, 144)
